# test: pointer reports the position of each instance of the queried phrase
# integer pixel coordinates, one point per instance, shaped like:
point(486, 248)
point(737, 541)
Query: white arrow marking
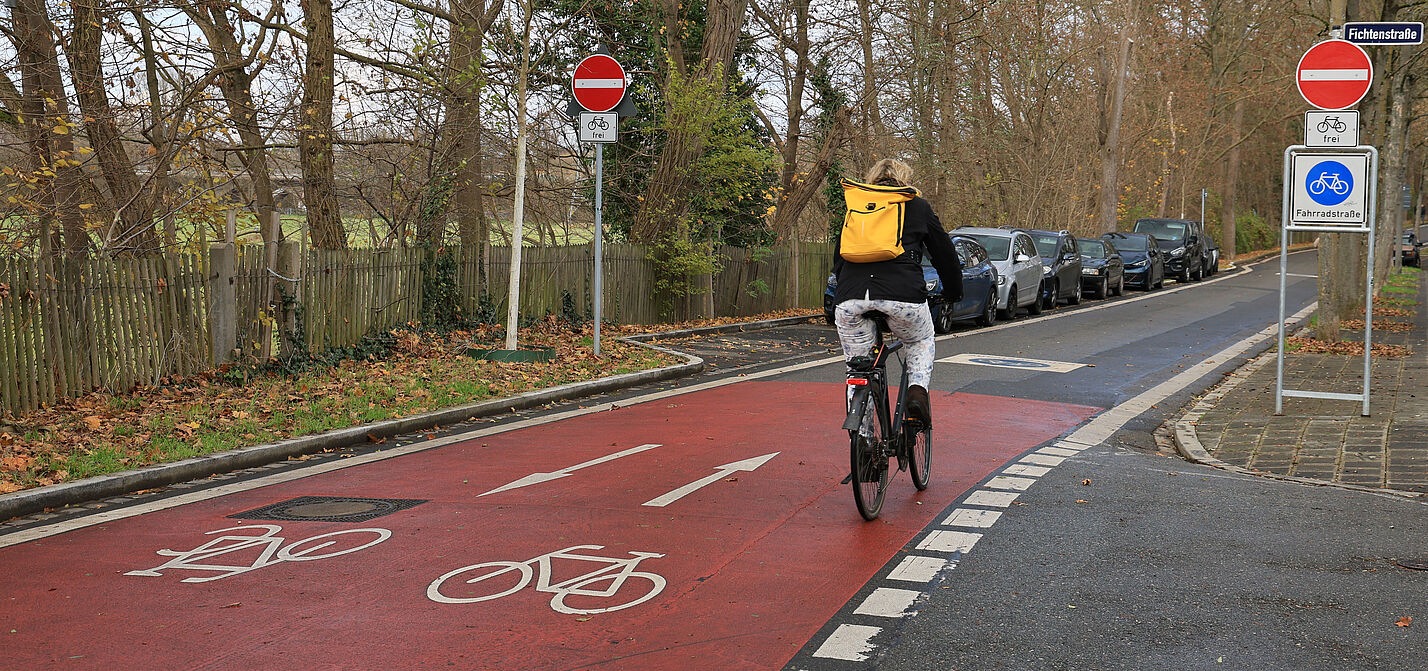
point(720, 473)
point(537, 478)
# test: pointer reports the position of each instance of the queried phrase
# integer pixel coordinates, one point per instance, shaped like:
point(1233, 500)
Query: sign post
point(598, 84)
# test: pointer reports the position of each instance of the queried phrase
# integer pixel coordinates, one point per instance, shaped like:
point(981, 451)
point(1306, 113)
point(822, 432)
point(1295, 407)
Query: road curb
point(35, 500)
point(1187, 440)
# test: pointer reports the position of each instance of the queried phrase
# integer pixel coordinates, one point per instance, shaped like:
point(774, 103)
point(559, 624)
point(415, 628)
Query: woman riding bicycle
point(889, 279)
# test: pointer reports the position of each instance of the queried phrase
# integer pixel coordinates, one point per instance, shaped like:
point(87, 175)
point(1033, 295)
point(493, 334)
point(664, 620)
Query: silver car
point(1018, 265)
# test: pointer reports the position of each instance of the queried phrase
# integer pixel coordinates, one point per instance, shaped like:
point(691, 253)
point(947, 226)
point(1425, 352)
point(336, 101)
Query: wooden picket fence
point(72, 325)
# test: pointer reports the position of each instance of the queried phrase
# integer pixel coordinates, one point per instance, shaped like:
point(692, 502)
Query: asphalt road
point(1040, 544)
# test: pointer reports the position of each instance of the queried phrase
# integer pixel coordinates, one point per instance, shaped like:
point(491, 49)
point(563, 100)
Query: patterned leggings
point(912, 322)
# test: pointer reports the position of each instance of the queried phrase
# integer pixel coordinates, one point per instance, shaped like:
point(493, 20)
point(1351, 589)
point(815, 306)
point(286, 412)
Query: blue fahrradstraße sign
point(1403, 32)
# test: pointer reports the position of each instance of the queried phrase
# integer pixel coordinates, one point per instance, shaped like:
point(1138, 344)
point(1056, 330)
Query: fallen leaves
point(1404, 621)
point(1351, 348)
point(93, 422)
point(1086, 482)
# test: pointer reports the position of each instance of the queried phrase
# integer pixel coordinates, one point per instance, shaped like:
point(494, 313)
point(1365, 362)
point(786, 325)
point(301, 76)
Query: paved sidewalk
point(1324, 440)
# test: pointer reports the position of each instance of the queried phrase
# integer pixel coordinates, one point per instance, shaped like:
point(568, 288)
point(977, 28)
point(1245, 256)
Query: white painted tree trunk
point(513, 304)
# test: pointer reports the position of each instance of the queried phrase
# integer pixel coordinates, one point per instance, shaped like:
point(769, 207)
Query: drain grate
point(328, 509)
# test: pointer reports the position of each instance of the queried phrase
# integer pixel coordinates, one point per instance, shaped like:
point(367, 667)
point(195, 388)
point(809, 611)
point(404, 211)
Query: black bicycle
point(875, 434)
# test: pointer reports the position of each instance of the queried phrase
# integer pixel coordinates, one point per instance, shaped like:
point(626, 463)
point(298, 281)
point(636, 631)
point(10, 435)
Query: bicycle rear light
point(856, 381)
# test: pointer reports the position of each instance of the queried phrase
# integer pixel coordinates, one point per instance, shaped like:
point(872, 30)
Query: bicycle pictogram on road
point(273, 550)
point(496, 579)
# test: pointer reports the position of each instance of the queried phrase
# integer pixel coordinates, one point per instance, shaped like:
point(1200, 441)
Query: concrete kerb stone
point(1187, 441)
point(115, 484)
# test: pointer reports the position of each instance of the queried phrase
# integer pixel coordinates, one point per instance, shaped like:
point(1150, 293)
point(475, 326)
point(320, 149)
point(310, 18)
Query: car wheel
point(1199, 273)
point(989, 314)
point(1121, 285)
point(1035, 307)
point(944, 319)
point(1148, 284)
point(1050, 296)
point(1075, 298)
point(1010, 312)
point(1105, 288)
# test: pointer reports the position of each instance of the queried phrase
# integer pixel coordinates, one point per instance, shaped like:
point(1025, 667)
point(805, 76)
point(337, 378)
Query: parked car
point(1411, 248)
point(1018, 266)
point(1102, 270)
point(1061, 267)
point(1183, 243)
point(1214, 254)
point(1144, 262)
point(979, 289)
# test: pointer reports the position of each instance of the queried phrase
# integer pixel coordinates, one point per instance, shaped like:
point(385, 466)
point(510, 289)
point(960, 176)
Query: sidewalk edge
point(1187, 441)
point(723, 328)
point(34, 500)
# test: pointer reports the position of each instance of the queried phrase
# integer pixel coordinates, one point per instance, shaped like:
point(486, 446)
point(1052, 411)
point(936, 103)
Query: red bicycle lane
point(738, 568)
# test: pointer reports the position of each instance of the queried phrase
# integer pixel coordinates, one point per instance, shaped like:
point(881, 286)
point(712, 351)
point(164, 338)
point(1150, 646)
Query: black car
point(1102, 270)
point(1411, 245)
point(1060, 267)
point(1144, 262)
point(979, 289)
point(1183, 243)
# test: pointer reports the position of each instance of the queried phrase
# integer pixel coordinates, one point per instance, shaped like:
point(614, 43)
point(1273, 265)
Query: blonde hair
point(889, 172)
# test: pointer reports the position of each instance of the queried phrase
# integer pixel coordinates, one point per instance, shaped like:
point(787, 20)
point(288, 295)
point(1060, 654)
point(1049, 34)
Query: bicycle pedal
point(847, 479)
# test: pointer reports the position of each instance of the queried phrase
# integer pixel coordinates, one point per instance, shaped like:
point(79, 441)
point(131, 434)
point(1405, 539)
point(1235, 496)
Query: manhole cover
point(1414, 564)
point(328, 509)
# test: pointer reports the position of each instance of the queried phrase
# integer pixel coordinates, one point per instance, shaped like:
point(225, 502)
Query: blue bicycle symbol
point(1329, 183)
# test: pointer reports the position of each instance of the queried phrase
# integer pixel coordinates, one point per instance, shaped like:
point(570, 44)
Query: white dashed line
point(967, 517)
point(888, 602)
point(942, 540)
point(850, 642)
point(1042, 459)
point(983, 497)
point(1028, 471)
point(919, 568)
point(1009, 482)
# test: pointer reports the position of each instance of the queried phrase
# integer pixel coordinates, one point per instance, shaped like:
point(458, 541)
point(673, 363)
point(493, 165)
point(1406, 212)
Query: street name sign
point(1329, 190)
point(1384, 32)
point(599, 127)
point(1331, 129)
point(1334, 74)
point(598, 83)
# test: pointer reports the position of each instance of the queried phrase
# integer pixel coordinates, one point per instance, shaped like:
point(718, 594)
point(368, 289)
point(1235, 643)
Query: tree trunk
point(132, 210)
point(47, 125)
point(667, 199)
point(1111, 143)
point(235, 83)
point(1229, 193)
point(314, 129)
point(872, 120)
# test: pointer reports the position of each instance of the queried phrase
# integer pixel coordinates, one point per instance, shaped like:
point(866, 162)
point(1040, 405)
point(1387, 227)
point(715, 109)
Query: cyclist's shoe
point(919, 409)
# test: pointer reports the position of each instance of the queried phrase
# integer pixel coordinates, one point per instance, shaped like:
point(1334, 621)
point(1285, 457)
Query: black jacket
point(901, 278)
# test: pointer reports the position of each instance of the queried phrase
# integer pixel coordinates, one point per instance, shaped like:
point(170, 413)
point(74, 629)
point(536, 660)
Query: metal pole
point(599, 236)
point(1368, 288)
point(1283, 269)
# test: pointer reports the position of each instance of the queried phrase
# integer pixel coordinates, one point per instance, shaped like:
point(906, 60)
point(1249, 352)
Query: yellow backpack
point(872, 228)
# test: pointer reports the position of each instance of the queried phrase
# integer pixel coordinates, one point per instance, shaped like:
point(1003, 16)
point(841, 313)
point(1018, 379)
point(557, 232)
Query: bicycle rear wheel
point(919, 454)
point(870, 463)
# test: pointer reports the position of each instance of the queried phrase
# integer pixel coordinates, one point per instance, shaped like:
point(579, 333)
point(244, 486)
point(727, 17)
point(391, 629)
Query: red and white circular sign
point(1334, 74)
point(599, 83)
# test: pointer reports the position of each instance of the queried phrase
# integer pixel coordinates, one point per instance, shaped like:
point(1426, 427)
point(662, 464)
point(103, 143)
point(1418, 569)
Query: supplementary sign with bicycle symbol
point(1329, 189)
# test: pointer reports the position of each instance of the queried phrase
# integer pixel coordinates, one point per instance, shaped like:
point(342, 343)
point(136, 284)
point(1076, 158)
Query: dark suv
point(1184, 245)
point(1060, 267)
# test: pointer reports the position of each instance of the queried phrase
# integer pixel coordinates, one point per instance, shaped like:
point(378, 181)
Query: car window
point(1046, 245)
point(963, 254)
point(1134, 243)
point(978, 256)
point(997, 247)
point(1024, 246)
point(1165, 230)
point(1071, 246)
point(1093, 249)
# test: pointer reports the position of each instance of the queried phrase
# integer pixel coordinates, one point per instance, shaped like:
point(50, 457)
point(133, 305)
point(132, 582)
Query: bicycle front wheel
point(919, 455)
point(870, 463)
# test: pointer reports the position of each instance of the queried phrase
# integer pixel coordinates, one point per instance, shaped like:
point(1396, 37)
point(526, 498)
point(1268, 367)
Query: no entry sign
point(1334, 74)
point(598, 83)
